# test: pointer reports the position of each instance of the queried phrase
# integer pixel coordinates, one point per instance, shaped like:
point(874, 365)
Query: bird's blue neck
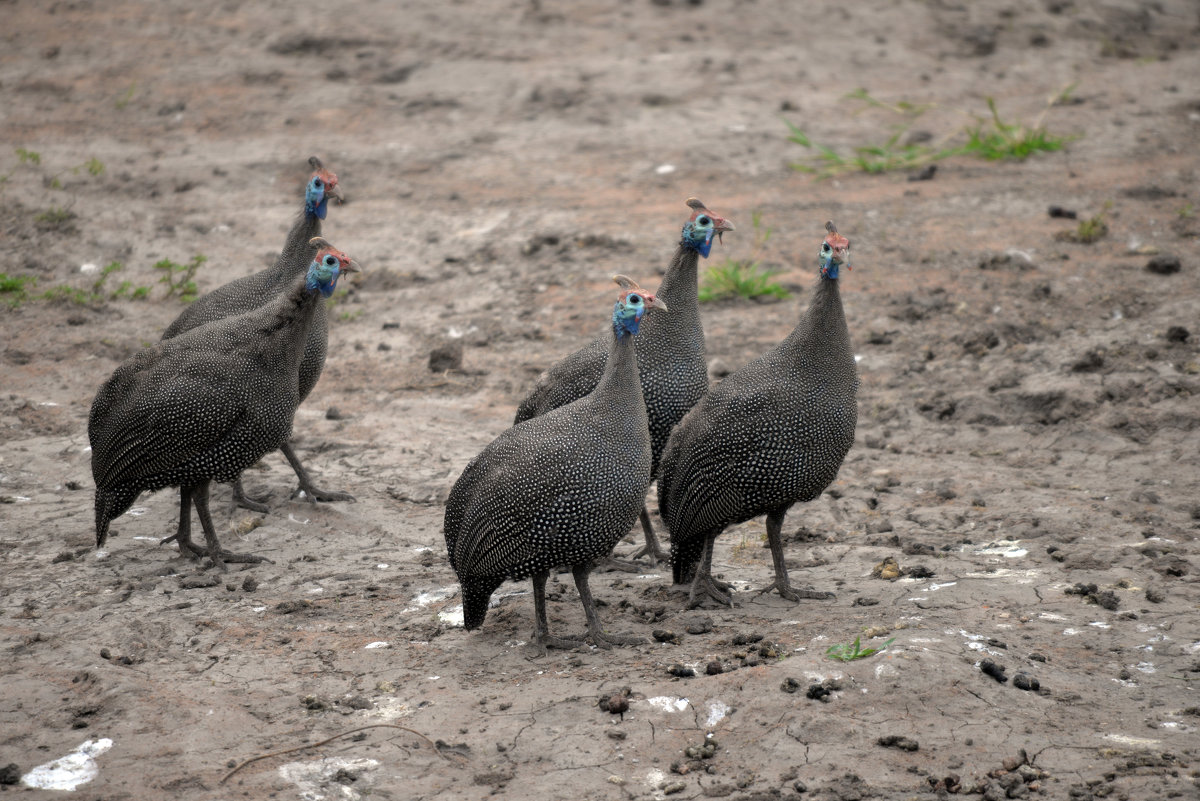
point(701, 246)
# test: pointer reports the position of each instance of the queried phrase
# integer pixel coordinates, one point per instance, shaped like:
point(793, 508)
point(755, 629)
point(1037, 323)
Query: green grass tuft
point(850, 652)
point(743, 278)
point(180, 278)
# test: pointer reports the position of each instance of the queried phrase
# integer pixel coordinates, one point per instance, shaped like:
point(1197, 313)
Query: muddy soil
point(1027, 454)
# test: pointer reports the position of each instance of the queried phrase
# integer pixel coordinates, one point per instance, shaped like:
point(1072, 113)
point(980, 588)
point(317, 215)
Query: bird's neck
point(287, 330)
point(821, 332)
point(680, 287)
point(620, 385)
point(297, 253)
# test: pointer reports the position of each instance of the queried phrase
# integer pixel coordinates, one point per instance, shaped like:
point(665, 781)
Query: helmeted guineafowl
point(670, 352)
point(205, 405)
point(258, 289)
point(560, 489)
point(771, 434)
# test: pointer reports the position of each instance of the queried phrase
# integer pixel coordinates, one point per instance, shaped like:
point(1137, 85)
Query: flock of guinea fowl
point(563, 485)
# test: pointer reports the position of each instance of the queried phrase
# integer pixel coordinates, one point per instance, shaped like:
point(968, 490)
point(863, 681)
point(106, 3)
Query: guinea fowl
point(205, 405)
point(253, 291)
point(670, 357)
point(771, 434)
point(560, 489)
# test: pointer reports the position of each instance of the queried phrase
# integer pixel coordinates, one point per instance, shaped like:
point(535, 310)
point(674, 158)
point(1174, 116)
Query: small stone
point(616, 734)
point(1060, 212)
point(990, 668)
point(199, 582)
point(313, 703)
point(747, 638)
point(673, 787)
point(898, 741)
point(681, 671)
point(358, 702)
point(701, 626)
point(105, 653)
point(1155, 596)
point(714, 668)
point(790, 685)
point(799, 786)
point(1024, 682)
point(334, 413)
point(10, 773)
point(249, 584)
point(1176, 333)
point(448, 356)
point(818, 692)
point(662, 635)
point(1164, 265)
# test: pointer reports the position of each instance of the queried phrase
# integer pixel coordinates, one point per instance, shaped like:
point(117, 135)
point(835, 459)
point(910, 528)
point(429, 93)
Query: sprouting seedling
point(848, 653)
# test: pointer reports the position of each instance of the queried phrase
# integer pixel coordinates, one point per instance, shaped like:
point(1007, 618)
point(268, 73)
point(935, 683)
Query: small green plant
point(1005, 140)
point(98, 292)
point(990, 138)
point(854, 650)
point(1089, 230)
point(127, 97)
point(1187, 212)
point(180, 278)
point(13, 288)
point(744, 278)
point(28, 156)
point(54, 218)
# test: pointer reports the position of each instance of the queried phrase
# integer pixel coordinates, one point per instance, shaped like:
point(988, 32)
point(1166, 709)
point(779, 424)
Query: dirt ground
point(1028, 447)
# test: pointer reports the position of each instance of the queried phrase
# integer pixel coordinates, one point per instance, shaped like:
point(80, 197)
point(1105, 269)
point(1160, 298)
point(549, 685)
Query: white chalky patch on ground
point(69, 772)
point(136, 511)
point(1009, 549)
point(668, 703)
point(665, 169)
point(717, 710)
point(1137, 742)
point(315, 779)
point(378, 644)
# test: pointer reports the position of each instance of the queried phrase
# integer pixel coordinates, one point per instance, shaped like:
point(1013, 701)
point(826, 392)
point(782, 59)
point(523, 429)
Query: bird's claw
point(790, 593)
point(314, 494)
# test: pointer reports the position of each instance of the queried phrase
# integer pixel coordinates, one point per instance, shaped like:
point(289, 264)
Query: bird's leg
point(240, 498)
point(541, 632)
point(703, 581)
point(595, 633)
point(310, 490)
point(651, 549)
point(775, 539)
point(183, 534)
point(215, 553)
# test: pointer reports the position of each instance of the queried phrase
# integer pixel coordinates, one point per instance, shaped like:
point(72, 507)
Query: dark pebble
point(383, 346)
point(359, 702)
point(75, 485)
point(1059, 211)
point(287, 607)
point(790, 685)
point(703, 626)
point(862, 601)
point(198, 582)
point(1164, 265)
point(387, 326)
point(926, 173)
point(1023, 682)
point(1106, 599)
point(990, 668)
point(1176, 333)
point(897, 741)
point(105, 653)
point(617, 734)
point(313, 703)
point(713, 668)
point(1036, 657)
point(10, 774)
point(799, 786)
point(618, 704)
point(746, 639)
point(662, 635)
point(334, 413)
point(680, 671)
point(1155, 595)
point(446, 357)
point(818, 692)
point(249, 584)
point(919, 572)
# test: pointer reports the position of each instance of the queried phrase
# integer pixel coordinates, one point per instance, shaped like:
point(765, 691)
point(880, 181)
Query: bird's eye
point(330, 261)
point(318, 183)
point(702, 220)
point(825, 247)
point(635, 299)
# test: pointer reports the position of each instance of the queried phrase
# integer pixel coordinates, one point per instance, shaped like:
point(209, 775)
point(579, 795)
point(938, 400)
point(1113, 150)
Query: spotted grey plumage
point(205, 405)
point(771, 434)
point(255, 290)
point(559, 489)
point(670, 354)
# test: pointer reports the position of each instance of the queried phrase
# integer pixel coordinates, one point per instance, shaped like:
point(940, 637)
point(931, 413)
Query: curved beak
point(352, 266)
point(721, 225)
point(655, 303)
point(335, 192)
